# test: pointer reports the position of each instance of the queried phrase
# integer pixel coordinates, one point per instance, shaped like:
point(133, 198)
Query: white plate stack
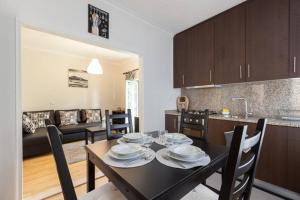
point(178, 138)
point(126, 151)
point(186, 153)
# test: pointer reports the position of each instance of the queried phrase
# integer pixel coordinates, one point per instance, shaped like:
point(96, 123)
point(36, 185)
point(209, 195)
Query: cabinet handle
point(210, 75)
point(248, 70)
point(183, 79)
point(295, 63)
point(174, 123)
point(241, 75)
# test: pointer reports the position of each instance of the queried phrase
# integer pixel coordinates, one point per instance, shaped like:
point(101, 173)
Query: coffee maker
point(182, 103)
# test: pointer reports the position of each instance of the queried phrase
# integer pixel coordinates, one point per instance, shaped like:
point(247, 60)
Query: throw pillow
point(28, 125)
point(68, 118)
point(38, 118)
point(93, 116)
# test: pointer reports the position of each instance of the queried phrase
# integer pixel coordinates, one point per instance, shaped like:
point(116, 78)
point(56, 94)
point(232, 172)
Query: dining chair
point(110, 126)
point(106, 192)
point(240, 168)
point(198, 122)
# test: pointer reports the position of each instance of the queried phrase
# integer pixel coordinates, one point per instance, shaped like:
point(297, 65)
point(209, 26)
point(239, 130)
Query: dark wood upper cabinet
point(267, 39)
point(229, 56)
point(294, 38)
point(199, 70)
point(180, 59)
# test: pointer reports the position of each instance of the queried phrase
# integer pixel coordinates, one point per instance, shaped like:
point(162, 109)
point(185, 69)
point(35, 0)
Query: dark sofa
point(37, 143)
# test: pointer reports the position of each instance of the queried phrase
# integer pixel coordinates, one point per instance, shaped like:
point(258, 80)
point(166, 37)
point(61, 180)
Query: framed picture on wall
point(98, 23)
point(78, 78)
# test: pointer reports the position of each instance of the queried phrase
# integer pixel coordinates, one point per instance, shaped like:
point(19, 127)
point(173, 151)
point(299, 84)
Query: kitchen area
point(241, 65)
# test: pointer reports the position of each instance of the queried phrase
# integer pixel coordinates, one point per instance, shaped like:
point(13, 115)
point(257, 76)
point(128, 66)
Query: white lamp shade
point(95, 67)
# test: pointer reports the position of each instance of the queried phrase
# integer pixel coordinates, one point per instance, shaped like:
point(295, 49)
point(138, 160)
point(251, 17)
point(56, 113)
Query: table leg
point(86, 138)
point(90, 175)
point(93, 137)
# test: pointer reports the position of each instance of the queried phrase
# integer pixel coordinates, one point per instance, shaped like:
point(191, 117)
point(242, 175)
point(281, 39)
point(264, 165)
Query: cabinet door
point(199, 70)
point(180, 59)
point(267, 39)
point(216, 129)
point(295, 38)
point(272, 164)
point(171, 123)
point(229, 57)
point(294, 159)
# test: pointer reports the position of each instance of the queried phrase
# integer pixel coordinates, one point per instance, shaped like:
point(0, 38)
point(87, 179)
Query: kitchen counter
point(271, 121)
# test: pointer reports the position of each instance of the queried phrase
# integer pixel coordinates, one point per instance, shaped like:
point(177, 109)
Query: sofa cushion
point(39, 137)
point(28, 124)
point(57, 116)
point(77, 128)
point(68, 118)
point(38, 117)
point(83, 114)
point(93, 116)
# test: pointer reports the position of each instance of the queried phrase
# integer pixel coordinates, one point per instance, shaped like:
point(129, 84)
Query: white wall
point(69, 18)
point(45, 82)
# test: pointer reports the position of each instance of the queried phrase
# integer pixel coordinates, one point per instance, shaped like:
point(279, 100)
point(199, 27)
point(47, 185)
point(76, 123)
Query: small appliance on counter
point(225, 112)
point(182, 102)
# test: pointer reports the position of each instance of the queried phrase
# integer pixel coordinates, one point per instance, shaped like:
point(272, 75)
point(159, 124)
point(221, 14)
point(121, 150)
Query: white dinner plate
point(126, 149)
point(188, 159)
point(186, 151)
point(176, 137)
point(126, 157)
point(133, 136)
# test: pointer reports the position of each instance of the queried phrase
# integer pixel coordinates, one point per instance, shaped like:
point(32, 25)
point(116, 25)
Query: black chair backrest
point(111, 126)
point(61, 163)
point(241, 164)
point(197, 122)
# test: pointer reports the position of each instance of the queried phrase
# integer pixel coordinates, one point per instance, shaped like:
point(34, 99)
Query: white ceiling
point(44, 41)
point(175, 15)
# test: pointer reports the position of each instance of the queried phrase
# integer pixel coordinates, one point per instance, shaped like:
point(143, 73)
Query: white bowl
point(176, 137)
point(126, 149)
point(133, 136)
point(186, 151)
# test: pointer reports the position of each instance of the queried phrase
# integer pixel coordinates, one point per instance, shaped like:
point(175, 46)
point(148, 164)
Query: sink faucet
point(246, 105)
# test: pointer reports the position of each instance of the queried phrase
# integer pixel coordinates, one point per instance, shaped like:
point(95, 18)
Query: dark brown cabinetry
point(272, 165)
point(171, 123)
point(267, 39)
point(229, 56)
point(279, 161)
point(199, 68)
point(294, 38)
point(180, 59)
point(254, 41)
point(294, 159)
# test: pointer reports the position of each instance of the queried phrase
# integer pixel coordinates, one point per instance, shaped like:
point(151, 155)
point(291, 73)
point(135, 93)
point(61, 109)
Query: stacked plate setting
point(186, 153)
point(126, 151)
point(134, 137)
point(177, 138)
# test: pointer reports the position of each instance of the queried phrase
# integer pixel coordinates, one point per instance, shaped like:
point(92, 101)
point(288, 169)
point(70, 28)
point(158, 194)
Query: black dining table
point(153, 180)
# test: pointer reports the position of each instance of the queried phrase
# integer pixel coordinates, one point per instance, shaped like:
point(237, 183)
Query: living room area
point(72, 84)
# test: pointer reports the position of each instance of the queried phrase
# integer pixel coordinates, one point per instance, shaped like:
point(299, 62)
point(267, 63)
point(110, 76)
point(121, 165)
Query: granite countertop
point(271, 121)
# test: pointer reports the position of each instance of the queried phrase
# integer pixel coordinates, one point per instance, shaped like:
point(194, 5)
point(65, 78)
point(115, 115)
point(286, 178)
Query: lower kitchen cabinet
point(273, 161)
point(279, 161)
point(171, 123)
point(294, 159)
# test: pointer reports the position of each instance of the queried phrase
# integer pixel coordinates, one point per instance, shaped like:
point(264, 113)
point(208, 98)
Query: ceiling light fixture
point(95, 67)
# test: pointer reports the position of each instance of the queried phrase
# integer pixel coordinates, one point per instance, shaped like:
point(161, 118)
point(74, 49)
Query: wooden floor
point(40, 176)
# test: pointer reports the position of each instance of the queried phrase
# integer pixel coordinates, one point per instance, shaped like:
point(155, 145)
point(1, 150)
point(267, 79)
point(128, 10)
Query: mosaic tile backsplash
point(273, 98)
